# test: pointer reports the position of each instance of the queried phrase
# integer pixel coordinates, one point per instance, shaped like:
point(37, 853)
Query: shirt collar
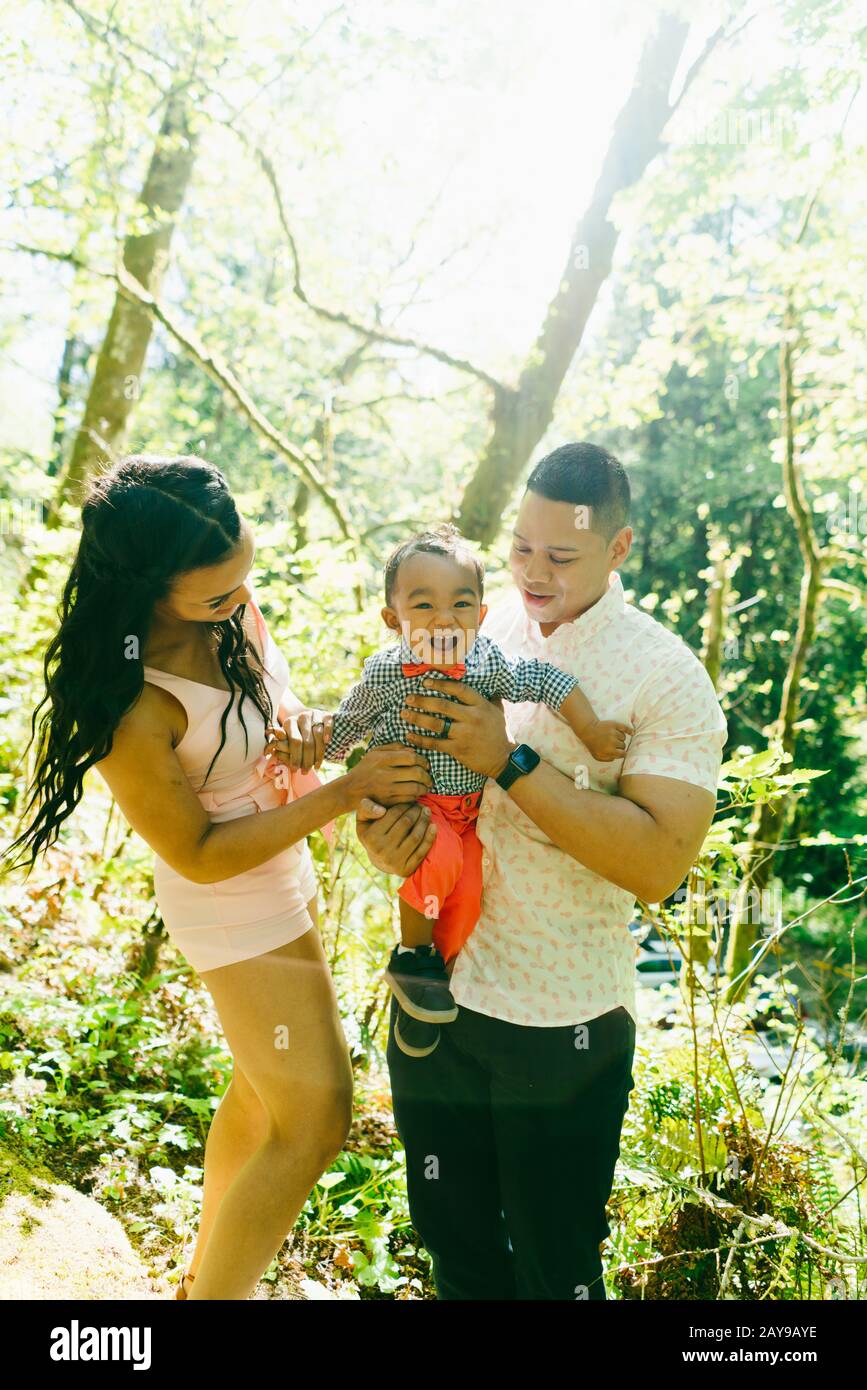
point(587, 624)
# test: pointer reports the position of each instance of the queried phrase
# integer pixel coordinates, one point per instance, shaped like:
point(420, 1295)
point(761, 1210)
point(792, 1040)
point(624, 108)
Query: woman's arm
point(154, 793)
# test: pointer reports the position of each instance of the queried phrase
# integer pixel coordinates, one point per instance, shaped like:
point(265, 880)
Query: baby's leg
point(416, 973)
point(424, 894)
point(415, 928)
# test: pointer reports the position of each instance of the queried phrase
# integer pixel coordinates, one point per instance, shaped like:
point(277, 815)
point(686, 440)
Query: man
point(512, 1124)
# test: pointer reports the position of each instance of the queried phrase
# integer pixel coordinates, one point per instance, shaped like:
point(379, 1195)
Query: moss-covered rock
point(56, 1243)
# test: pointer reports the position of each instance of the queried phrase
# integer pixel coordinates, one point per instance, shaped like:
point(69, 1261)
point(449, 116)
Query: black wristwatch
point(522, 760)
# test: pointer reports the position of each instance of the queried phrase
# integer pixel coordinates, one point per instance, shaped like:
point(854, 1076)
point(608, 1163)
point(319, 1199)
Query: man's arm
point(643, 839)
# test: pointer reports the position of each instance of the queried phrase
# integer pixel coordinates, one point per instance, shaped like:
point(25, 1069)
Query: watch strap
point(513, 770)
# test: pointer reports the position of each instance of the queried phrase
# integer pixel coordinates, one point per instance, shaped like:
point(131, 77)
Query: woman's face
point(211, 594)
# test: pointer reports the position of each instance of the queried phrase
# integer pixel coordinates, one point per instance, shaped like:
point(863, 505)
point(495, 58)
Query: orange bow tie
point(418, 668)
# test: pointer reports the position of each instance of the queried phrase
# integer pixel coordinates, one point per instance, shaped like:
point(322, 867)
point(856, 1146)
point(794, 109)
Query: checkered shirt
point(372, 707)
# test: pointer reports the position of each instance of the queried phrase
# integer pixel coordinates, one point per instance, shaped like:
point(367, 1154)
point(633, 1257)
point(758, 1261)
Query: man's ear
point(620, 547)
point(483, 608)
point(390, 618)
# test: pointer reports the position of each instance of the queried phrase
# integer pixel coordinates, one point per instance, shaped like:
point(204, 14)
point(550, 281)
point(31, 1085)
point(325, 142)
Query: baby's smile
point(439, 648)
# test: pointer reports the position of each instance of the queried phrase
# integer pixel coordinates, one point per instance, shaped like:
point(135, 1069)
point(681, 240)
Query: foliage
point(740, 1171)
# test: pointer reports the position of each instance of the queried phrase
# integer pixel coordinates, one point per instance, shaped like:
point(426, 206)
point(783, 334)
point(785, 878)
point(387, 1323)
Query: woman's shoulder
point(142, 764)
point(154, 713)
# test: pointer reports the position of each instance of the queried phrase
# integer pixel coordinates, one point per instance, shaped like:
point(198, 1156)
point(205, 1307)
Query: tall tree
point(522, 414)
point(769, 820)
point(116, 379)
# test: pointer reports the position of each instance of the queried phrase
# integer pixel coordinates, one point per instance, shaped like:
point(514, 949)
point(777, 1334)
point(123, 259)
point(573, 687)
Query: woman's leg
point(280, 1017)
point(237, 1129)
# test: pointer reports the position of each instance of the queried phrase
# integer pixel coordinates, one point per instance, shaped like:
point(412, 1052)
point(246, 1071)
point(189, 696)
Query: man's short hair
point(442, 540)
point(586, 476)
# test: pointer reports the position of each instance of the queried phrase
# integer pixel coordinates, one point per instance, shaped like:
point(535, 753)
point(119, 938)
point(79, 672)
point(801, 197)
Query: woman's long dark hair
point(146, 521)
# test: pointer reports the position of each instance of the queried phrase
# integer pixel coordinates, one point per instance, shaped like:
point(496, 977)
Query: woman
point(163, 676)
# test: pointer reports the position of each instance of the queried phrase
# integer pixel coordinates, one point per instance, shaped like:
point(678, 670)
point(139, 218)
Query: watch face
point(525, 757)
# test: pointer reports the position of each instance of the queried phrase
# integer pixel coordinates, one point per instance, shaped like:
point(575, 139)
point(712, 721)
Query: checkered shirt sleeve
point(381, 688)
point(522, 679)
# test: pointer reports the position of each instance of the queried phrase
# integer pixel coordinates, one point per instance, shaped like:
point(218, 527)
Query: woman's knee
point(320, 1127)
point(244, 1096)
point(336, 1119)
point(336, 1126)
point(319, 1139)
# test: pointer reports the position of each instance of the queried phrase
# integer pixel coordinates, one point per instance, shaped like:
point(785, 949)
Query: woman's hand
point(477, 736)
point(389, 775)
point(301, 739)
point(396, 840)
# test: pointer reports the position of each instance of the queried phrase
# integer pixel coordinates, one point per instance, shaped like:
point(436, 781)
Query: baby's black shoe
point(415, 1038)
point(420, 984)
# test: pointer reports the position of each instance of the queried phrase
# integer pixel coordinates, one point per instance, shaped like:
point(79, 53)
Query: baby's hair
point(444, 539)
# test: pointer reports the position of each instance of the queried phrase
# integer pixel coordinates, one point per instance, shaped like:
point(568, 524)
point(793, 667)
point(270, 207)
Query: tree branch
point(697, 65)
point(368, 331)
point(840, 586)
point(219, 372)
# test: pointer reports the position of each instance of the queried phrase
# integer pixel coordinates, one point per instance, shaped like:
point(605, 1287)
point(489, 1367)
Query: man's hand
point(396, 840)
point(477, 736)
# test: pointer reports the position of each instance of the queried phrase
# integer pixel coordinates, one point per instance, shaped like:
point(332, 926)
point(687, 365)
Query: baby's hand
point(606, 739)
point(301, 740)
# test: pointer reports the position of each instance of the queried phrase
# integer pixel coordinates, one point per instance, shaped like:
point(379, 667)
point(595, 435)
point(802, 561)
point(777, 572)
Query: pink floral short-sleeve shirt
point(552, 945)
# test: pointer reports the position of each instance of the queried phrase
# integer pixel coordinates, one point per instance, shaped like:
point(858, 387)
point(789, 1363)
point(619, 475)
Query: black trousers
point(512, 1134)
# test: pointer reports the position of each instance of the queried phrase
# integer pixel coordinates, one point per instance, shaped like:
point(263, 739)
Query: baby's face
point(436, 605)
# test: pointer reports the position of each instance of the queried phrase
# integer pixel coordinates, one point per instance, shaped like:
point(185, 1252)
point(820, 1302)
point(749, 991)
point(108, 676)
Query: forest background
point(373, 263)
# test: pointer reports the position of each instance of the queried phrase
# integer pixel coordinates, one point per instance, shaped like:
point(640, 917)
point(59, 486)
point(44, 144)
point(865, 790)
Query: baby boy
point(433, 596)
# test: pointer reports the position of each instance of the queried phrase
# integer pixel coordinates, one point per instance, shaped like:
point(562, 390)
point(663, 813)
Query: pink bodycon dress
point(216, 924)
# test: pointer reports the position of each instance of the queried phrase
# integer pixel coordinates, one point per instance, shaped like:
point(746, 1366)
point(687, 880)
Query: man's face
point(559, 563)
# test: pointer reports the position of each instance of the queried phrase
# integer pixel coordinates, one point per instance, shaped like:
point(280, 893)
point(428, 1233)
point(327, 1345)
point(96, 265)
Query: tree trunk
point(769, 820)
point(521, 415)
point(116, 381)
point(71, 349)
point(722, 565)
point(299, 515)
point(713, 637)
